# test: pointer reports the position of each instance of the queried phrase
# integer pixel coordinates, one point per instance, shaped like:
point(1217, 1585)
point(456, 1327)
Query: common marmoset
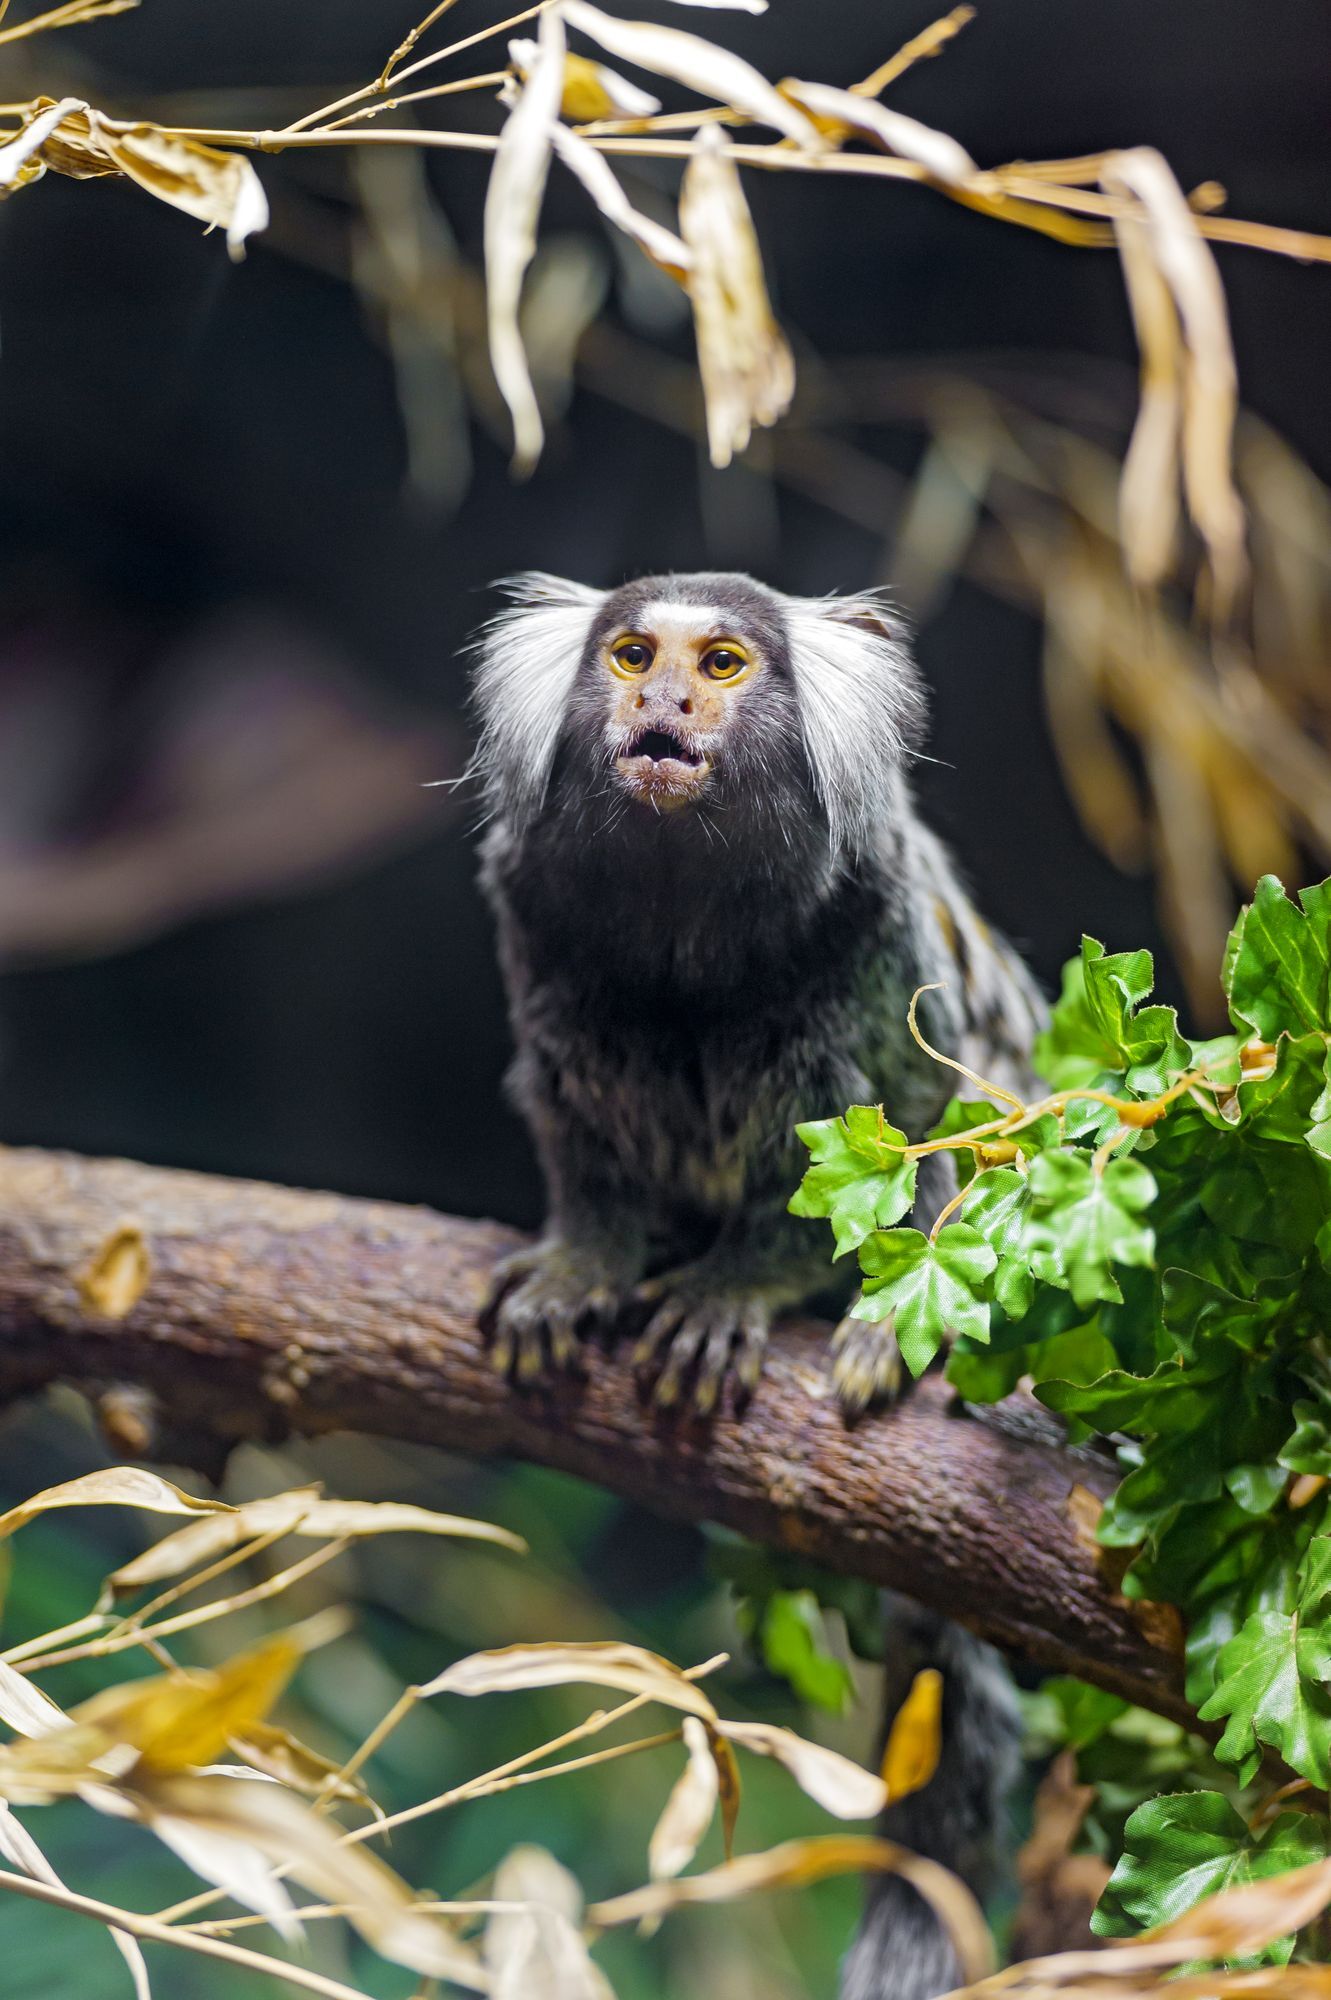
point(715, 901)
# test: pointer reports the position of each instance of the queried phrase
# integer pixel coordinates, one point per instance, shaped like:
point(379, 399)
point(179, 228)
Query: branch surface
point(250, 1311)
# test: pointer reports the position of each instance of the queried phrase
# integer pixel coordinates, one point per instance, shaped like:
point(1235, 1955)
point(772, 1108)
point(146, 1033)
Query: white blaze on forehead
point(668, 617)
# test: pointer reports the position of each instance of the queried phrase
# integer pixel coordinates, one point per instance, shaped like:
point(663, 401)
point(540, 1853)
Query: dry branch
point(247, 1310)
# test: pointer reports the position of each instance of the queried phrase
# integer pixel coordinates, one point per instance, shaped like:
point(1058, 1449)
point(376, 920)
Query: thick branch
point(259, 1308)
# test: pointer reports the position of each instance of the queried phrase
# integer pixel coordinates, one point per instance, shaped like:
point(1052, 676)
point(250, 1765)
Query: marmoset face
point(690, 674)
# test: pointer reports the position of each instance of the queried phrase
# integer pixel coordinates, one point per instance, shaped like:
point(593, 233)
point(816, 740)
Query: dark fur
point(684, 989)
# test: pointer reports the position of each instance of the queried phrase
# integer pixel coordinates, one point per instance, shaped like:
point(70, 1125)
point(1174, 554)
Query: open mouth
point(661, 768)
point(661, 746)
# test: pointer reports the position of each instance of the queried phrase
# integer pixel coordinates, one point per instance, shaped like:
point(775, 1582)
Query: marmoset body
point(715, 901)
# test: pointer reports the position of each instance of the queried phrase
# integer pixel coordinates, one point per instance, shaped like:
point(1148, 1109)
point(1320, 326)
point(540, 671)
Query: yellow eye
point(724, 663)
point(632, 656)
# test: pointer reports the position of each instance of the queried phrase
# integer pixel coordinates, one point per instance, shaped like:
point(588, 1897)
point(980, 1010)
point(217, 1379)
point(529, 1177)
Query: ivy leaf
point(997, 1207)
point(1194, 1844)
point(1083, 1222)
point(930, 1288)
point(1277, 966)
point(1268, 1689)
point(860, 1179)
point(793, 1641)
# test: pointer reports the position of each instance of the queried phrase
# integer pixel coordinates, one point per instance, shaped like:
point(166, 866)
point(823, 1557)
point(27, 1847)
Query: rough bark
point(247, 1310)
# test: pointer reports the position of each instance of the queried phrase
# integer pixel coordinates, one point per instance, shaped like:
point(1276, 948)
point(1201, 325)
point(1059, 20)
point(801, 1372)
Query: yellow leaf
point(591, 90)
point(176, 1723)
point(914, 1740)
point(118, 1275)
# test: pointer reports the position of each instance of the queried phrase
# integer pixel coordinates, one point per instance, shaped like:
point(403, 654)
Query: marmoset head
point(685, 695)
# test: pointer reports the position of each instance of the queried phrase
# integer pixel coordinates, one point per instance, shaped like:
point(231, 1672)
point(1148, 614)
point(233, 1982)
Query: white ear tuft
point(527, 660)
point(861, 706)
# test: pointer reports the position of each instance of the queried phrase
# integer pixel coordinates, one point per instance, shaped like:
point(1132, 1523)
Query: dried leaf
point(219, 188)
point(113, 1486)
point(1148, 489)
point(512, 205)
point(798, 1862)
point(837, 1784)
point(591, 90)
point(712, 71)
point(299, 1512)
point(840, 114)
point(607, 1664)
point(277, 1754)
point(748, 374)
point(915, 1738)
point(118, 1275)
point(23, 1706)
point(537, 1952)
point(727, 1777)
point(690, 1808)
point(1210, 380)
point(175, 1723)
point(286, 1832)
point(666, 250)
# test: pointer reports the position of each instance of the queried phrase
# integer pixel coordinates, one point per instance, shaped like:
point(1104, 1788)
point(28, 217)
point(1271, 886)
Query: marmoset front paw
point(699, 1330)
point(542, 1300)
point(867, 1367)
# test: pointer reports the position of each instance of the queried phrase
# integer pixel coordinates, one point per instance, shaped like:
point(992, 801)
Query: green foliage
point(1150, 1244)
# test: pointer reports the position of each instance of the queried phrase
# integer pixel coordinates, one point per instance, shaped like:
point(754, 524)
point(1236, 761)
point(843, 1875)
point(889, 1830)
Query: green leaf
point(793, 1639)
point(860, 1179)
point(1277, 966)
point(1082, 1222)
point(1268, 1689)
point(1194, 1844)
point(997, 1207)
point(929, 1287)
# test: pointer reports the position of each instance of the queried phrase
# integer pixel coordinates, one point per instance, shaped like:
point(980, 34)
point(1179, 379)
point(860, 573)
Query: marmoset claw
point(707, 1337)
point(868, 1367)
point(541, 1301)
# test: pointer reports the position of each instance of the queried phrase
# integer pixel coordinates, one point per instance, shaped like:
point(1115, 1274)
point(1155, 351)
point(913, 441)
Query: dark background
point(238, 935)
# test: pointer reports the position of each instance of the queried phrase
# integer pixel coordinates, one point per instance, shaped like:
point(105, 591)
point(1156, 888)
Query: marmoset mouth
point(661, 745)
point(662, 768)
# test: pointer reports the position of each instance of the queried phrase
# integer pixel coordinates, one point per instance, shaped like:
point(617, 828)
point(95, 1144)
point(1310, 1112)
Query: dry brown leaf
point(796, 1863)
point(840, 114)
point(278, 1754)
point(300, 1512)
point(537, 1952)
point(1149, 487)
point(728, 1783)
point(601, 1664)
point(512, 205)
point(666, 250)
point(748, 373)
point(1210, 379)
point(219, 188)
point(690, 1808)
point(915, 1738)
point(837, 1784)
point(710, 70)
point(112, 1486)
point(118, 1275)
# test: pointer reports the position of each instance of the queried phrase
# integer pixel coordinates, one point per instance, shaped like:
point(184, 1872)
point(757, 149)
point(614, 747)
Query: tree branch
point(248, 1310)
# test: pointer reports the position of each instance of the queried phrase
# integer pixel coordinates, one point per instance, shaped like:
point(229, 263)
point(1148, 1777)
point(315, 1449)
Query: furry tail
point(901, 1951)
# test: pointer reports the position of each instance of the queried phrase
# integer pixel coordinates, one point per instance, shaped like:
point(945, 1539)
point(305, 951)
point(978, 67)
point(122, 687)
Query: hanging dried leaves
point(70, 137)
point(748, 372)
point(512, 205)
